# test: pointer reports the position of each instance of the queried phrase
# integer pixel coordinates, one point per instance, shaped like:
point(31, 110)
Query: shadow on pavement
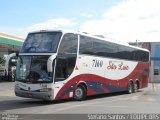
point(17, 103)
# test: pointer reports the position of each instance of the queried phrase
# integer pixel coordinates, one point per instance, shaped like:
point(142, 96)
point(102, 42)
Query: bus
point(8, 68)
point(56, 64)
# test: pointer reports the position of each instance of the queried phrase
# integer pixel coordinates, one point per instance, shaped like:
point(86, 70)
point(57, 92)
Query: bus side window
point(66, 58)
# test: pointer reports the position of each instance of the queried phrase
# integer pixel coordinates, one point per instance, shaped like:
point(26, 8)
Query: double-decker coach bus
point(55, 65)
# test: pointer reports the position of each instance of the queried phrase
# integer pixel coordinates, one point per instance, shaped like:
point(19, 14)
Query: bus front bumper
point(38, 94)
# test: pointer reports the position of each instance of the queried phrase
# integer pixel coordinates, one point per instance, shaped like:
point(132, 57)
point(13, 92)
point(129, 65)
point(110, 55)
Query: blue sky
point(124, 20)
point(17, 13)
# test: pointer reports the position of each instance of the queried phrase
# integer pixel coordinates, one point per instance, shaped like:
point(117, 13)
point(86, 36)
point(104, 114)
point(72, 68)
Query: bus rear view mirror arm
point(50, 62)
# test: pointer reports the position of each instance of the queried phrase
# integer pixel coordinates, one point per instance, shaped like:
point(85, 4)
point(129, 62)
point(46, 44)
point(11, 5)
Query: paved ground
point(145, 101)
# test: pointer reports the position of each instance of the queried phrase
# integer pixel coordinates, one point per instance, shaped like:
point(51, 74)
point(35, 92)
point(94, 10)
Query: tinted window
point(42, 42)
point(98, 47)
point(126, 53)
point(94, 46)
point(132, 54)
point(68, 44)
point(86, 45)
point(103, 48)
point(66, 58)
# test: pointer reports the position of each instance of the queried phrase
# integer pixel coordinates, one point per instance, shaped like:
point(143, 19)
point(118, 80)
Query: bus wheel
point(80, 93)
point(130, 87)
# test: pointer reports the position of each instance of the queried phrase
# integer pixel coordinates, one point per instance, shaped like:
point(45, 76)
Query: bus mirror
point(50, 62)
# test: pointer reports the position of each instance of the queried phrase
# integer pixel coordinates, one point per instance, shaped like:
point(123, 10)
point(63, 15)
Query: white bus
point(55, 65)
point(7, 69)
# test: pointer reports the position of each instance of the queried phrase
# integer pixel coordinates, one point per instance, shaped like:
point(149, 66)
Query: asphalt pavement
point(146, 100)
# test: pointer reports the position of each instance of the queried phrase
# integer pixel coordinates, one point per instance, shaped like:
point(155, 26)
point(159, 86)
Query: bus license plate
point(29, 94)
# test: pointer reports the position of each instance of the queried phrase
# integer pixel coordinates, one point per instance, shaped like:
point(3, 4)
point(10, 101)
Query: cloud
point(128, 21)
point(57, 23)
point(51, 24)
point(87, 15)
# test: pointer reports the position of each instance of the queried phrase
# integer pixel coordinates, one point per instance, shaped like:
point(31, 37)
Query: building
point(9, 44)
point(154, 48)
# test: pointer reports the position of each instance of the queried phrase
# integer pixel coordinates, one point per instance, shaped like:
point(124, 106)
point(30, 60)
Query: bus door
point(65, 60)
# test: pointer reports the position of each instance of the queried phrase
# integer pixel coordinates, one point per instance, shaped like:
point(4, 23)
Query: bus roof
point(94, 36)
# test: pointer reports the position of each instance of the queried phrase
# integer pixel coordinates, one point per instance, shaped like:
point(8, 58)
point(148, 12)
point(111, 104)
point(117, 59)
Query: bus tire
point(130, 87)
point(80, 93)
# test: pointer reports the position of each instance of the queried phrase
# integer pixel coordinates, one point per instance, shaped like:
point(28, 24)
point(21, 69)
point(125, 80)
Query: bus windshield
point(41, 42)
point(33, 69)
